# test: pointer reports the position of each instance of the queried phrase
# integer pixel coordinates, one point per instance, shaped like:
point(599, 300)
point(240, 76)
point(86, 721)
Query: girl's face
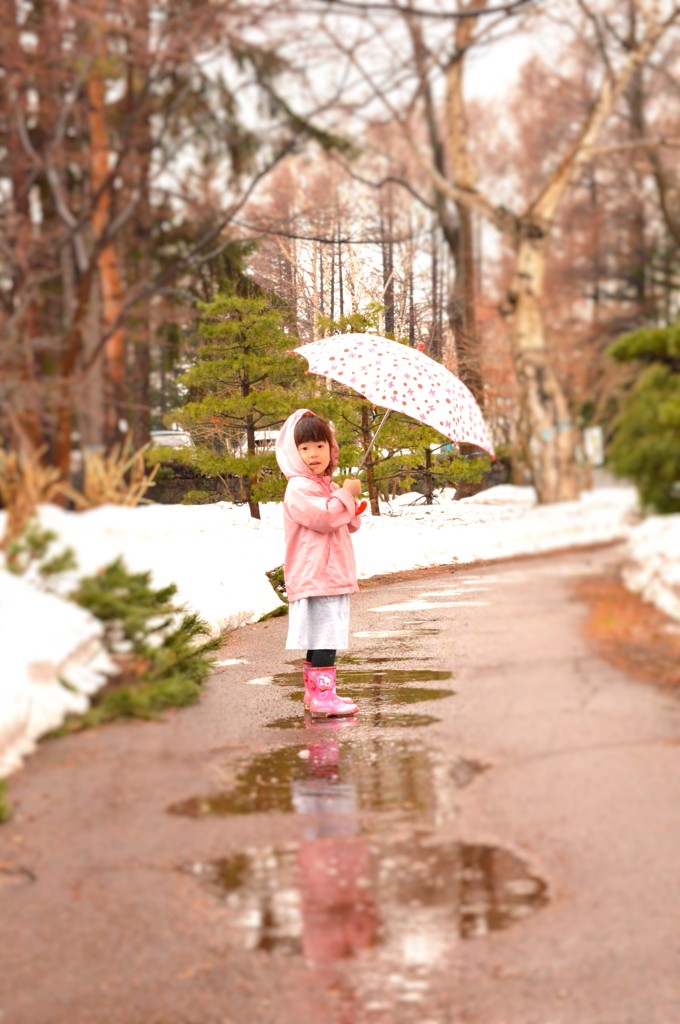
point(316, 455)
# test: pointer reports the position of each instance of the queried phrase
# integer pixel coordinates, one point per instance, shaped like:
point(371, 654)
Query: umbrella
point(401, 379)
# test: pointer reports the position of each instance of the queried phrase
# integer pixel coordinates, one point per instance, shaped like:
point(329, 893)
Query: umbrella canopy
point(403, 379)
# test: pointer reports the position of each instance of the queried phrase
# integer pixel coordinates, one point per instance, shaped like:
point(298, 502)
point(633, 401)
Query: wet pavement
point(493, 840)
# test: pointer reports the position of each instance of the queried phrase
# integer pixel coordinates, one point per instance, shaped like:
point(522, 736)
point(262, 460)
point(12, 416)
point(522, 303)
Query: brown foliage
point(117, 477)
point(631, 634)
point(25, 483)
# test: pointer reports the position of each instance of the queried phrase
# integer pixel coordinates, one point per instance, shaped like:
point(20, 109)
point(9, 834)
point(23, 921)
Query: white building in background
point(265, 440)
point(172, 438)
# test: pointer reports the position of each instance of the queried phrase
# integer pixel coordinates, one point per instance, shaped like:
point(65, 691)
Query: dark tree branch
point(357, 5)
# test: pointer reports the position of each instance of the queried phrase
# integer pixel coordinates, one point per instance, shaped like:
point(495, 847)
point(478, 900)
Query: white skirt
point(318, 623)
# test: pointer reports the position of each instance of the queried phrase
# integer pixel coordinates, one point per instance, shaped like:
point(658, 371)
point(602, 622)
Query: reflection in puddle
point(357, 659)
point(398, 903)
point(376, 698)
point(388, 720)
point(335, 894)
point(401, 777)
point(376, 678)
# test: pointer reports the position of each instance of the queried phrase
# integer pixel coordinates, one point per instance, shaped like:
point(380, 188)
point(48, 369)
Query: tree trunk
point(322, 293)
point(341, 283)
point(249, 481)
point(435, 332)
point(411, 299)
point(108, 263)
point(462, 304)
point(71, 349)
point(427, 477)
point(545, 428)
point(461, 309)
point(366, 438)
point(387, 264)
point(24, 423)
point(138, 179)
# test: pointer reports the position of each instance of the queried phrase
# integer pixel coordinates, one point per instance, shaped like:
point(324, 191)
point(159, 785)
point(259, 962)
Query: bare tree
point(125, 155)
point(546, 427)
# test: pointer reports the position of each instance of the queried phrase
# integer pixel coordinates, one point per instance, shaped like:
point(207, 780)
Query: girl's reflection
point(338, 913)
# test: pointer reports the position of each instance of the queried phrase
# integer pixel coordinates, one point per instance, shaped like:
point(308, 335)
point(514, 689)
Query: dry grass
point(117, 477)
point(25, 483)
point(631, 634)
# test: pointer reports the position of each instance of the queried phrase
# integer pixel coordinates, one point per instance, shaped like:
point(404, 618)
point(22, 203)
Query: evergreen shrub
point(5, 810)
point(646, 443)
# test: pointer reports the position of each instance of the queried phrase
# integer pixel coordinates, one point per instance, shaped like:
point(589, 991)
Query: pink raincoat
point(318, 517)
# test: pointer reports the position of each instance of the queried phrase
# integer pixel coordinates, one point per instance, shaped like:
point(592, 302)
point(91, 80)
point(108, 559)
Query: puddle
point(384, 719)
point(356, 659)
point(331, 896)
point(387, 634)
point(400, 777)
point(375, 676)
point(390, 775)
point(383, 697)
point(378, 685)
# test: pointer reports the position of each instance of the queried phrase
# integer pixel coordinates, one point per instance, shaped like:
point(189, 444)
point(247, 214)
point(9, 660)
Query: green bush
point(160, 648)
point(198, 497)
point(139, 700)
point(646, 444)
point(275, 577)
point(5, 811)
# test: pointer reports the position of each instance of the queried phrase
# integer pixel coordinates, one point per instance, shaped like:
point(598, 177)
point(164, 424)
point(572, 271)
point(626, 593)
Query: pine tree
point(243, 381)
point(646, 443)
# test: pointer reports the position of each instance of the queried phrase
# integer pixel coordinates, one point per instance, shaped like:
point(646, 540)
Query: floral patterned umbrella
point(402, 379)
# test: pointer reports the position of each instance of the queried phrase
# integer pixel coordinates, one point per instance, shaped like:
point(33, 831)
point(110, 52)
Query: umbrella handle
point(368, 450)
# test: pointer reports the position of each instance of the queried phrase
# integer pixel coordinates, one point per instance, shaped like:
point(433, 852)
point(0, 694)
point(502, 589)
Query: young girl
point(319, 567)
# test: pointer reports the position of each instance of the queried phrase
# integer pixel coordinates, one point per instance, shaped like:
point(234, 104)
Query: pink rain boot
point(324, 702)
point(309, 690)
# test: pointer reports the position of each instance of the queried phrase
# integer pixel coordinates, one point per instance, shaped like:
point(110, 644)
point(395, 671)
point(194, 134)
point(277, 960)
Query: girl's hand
point(352, 485)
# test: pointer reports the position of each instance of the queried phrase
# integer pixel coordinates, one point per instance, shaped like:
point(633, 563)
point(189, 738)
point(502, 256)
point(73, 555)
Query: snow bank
point(652, 566)
point(487, 526)
point(46, 642)
point(215, 554)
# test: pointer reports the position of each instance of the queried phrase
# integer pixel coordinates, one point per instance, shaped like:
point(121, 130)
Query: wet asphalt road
point(494, 841)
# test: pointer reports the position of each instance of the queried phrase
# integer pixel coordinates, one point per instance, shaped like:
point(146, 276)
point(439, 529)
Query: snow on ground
point(218, 557)
point(497, 526)
point(44, 640)
point(652, 566)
